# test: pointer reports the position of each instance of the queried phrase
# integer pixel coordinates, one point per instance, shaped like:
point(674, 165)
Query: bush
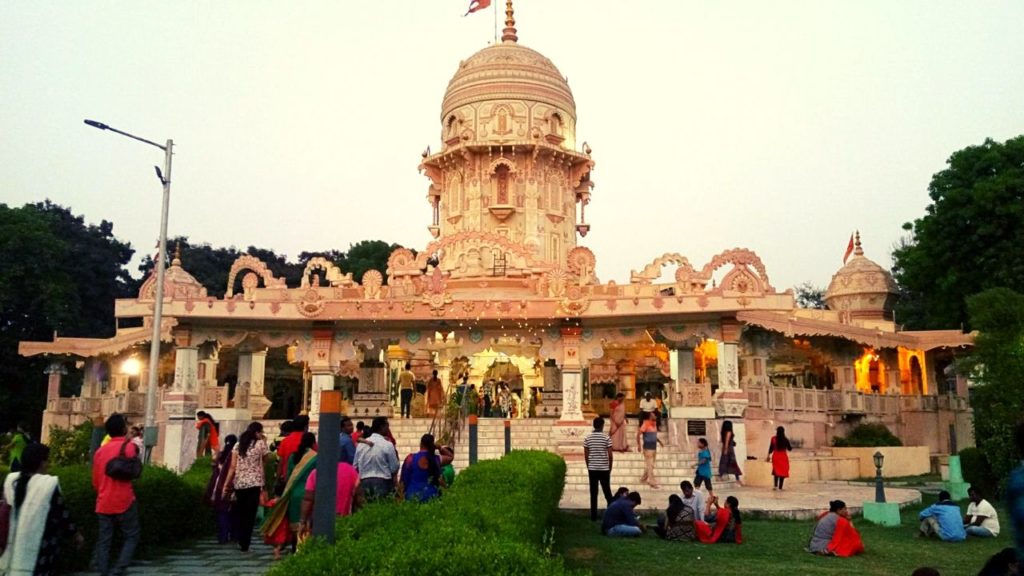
point(867, 436)
point(169, 508)
point(978, 472)
point(492, 522)
point(69, 446)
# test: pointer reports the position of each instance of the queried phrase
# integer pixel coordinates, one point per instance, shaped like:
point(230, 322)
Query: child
point(703, 466)
point(282, 535)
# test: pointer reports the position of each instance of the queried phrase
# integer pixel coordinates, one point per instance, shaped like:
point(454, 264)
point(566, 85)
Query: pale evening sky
point(778, 126)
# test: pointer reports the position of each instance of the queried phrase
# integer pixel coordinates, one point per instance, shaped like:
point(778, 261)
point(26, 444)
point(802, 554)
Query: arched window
point(503, 125)
point(555, 248)
point(555, 123)
point(450, 126)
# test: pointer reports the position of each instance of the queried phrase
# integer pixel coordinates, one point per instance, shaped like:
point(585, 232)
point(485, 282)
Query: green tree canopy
point(809, 296)
point(970, 238)
point(57, 274)
point(997, 367)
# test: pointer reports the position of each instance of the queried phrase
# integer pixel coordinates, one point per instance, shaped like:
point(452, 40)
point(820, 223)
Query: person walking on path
point(435, 394)
point(285, 518)
point(377, 461)
point(115, 499)
point(406, 387)
point(703, 475)
point(647, 440)
point(19, 439)
point(247, 477)
point(617, 430)
point(39, 517)
point(209, 440)
point(778, 455)
point(597, 452)
point(216, 496)
point(648, 406)
point(727, 464)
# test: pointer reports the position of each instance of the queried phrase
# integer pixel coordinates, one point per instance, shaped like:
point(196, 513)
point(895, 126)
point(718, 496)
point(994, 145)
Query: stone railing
point(848, 402)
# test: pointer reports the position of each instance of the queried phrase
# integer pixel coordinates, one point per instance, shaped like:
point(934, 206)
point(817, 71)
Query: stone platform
point(801, 502)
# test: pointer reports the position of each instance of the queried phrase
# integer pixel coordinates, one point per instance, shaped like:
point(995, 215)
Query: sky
point(778, 126)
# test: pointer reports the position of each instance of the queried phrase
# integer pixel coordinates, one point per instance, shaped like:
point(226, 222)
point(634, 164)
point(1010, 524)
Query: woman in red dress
point(778, 455)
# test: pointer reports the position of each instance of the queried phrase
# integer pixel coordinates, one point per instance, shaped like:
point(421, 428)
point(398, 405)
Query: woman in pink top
point(347, 496)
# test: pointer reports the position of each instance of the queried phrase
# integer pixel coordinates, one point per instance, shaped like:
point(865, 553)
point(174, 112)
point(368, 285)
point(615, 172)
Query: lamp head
point(879, 459)
point(96, 124)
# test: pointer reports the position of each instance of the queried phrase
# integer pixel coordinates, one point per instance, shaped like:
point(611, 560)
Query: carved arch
point(741, 258)
point(492, 168)
point(330, 270)
point(249, 262)
point(652, 271)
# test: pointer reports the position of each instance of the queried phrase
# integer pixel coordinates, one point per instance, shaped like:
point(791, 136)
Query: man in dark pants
point(406, 387)
point(597, 452)
point(115, 500)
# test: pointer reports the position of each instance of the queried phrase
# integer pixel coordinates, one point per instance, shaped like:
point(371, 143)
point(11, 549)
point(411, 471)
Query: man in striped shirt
point(597, 452)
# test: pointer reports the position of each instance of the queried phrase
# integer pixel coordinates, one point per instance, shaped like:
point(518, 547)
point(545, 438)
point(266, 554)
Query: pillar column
point(321, 370)
point(176, 442)
point(321, 380)
point(252, 367)
point(730, 401)
point(571, 426)
point(55, 373)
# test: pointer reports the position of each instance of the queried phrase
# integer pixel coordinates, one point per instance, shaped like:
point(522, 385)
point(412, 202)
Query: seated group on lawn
point(686, 518)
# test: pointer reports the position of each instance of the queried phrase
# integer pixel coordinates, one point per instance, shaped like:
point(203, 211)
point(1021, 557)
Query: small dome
point(862, 288)
point(178, 283)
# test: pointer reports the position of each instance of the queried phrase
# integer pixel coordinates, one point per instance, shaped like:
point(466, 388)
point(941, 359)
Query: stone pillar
point(321, 370)
point(322, 380)
point(730, 401)
point(252, 367)
point(54, 372)
point(176, 414)
point(571, 426)
point(627, 379)
point(90, 382)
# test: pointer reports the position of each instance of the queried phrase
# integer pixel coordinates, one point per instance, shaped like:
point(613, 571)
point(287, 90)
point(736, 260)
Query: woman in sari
point(727, 464)
point(725, 526)
point(834, 534)
point(421, 472)
point(617, 431)
point(435, 394)
point(39, 518)
point(778, 455)
point(284, 521)
point(216, 495)
point(677, 524)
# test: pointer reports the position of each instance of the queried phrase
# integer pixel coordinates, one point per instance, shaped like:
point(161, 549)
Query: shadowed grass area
point(770, 548)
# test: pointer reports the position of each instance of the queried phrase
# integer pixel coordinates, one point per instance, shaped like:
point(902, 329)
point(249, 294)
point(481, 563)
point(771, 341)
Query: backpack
point(123, 468)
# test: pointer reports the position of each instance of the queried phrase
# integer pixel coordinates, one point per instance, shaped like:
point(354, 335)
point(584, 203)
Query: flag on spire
point(477, 5)
point(849, 250)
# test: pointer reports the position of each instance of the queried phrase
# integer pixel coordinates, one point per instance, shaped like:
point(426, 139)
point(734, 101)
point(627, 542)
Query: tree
point(997, 367)
point(57, 274)
point(970, 238)
point(809, 296)
point(366, 255)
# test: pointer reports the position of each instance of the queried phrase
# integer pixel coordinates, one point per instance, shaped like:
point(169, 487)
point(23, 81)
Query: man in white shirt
point(648, 405)
point(982, 520)
point(377, 461)
point(693, 498)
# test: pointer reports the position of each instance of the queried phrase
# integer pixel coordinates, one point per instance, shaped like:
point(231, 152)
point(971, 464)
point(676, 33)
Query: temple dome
point(507, 71)
point(862, 288)
point(178, 283)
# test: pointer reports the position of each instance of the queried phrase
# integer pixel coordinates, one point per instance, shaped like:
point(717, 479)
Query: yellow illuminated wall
point(870, 371)
point(913, 376)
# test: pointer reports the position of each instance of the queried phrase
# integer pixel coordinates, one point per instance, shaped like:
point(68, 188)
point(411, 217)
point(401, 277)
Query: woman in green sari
point(284, 521)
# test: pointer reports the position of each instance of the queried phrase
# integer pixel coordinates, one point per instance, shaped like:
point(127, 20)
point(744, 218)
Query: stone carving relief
point(373, 281)
point(248, 262)
point(331, 272)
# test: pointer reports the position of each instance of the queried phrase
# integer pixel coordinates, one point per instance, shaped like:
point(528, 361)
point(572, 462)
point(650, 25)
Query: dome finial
point(508, 34)
point(857, 250)
point(177, 254)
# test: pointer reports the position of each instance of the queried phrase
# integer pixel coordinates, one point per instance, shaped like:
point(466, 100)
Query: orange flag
point(476, 5)
point(849, 249)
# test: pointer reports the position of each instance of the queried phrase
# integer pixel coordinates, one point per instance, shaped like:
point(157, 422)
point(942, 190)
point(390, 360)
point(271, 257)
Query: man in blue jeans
point(115, 500)
point(620, 518)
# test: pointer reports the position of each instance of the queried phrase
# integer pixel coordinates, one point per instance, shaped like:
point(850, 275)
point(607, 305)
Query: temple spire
point(508, 34)
point(857, 250)
point(177, 254)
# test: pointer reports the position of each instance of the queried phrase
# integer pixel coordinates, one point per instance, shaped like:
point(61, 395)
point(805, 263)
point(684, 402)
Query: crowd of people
point(242, 491)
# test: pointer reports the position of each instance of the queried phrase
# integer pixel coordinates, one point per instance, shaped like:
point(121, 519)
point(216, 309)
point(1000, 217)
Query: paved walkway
point(207, 558)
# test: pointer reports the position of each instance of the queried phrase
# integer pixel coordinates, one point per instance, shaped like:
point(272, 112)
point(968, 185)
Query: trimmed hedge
point(492, 522)
point(868, 436)
point(170, 508)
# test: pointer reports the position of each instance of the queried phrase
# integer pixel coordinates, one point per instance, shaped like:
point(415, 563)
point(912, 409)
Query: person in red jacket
point(115, 500)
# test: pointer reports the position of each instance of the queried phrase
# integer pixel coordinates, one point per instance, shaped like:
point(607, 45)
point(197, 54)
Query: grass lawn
point(772, 547)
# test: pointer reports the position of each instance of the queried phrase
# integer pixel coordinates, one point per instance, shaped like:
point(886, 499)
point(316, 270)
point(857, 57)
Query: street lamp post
point(150, 436)
point(879, 486)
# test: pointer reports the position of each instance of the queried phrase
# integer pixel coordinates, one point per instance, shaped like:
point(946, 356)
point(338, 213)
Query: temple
point(505, 291)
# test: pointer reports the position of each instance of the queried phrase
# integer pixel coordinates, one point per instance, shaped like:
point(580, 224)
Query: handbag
point(5, 523)
point(121, 467)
